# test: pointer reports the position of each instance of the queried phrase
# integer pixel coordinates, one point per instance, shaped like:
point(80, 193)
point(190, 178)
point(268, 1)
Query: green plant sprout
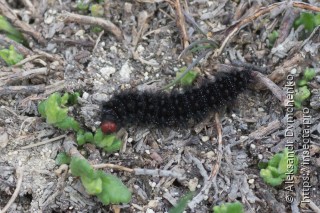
point(11, 56)
point(182, 204)
point(188, 78)
point(54, 109)
point(273, 37)
point(235, 207)
point(108, 188)
point(56, 113)
point(63, 158)
point(309, 20)
point(275, 171)
point(97, 10)
point(10, 31)
point(108, 143)
point(83, 5)
point(303, 92)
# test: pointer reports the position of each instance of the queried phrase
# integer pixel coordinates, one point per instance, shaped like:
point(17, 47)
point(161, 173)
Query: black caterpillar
point(172, 109)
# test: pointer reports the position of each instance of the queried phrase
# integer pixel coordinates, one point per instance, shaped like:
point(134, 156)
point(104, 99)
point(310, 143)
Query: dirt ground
point(140, 49)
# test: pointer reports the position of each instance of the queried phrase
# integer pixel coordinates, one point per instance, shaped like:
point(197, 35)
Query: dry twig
point(10, 90)
point(8, 79)
point(25, 28)
point(60, 186)
point(275, 89)
point(19, 172)
point(43, 142)
point(19, 47)
point(214, 170)
point(180, 21)
point(232, 30)
point(107, 25)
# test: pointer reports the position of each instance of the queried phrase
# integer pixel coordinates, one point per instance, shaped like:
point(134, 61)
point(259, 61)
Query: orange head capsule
point(108, 127)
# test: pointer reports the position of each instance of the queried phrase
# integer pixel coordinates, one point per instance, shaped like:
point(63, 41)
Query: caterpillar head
point(108, 124)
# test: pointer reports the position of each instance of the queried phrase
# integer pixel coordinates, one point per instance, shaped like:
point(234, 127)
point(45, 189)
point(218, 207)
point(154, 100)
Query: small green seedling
point(303, 92)
point(11, 56)
point(182, 204)
point(10, 31)
point(63, 158)
point(188, 79)
point(236, 207)
point(309, 20)
point(273, 37)
point(276, 170)
point(97, 10)
point(108, 143)
point(108, 188)
point(83, 5)
point(56, 113)
point(308, 75)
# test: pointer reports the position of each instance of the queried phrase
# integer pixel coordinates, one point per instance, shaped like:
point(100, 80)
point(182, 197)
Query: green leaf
point(301, 95)
point(302, 82)
point(42, 108)
point(262, 165)
point(53, 112)
point(188, 79)
point(10, 56)
point(106, 141)
point(64, 99)
point(88, 137)
point(92, 186)
point(68, 123)
point(307, 20)
point(83, 4)
point(273, 37)
point(10, 31)
point(98, 136)
point(309, 74)
point(62, 158)
point(283, 164)
point(116, 145)
point(235, 207)
point(317, 19)
point(80, 139)
point(73, 98)
point(278, 166)
point(182, 204)
point(81, 167)
point(274, 161)
point(113, 190)
point(97, 10)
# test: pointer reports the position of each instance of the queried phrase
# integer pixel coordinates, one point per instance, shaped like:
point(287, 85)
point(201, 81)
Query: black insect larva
point(172, 109)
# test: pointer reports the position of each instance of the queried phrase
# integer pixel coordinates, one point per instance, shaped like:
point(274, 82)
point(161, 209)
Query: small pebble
point(293, 71)
point(192, 184)
point(85, 95)
point(149, 211)
point(251, 181)
point(205, 138)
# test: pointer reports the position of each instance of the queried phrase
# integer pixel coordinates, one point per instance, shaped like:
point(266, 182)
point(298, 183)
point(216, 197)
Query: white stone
point(205, 138)
point(107, 71)
point(125, 72)
point(49, 20)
